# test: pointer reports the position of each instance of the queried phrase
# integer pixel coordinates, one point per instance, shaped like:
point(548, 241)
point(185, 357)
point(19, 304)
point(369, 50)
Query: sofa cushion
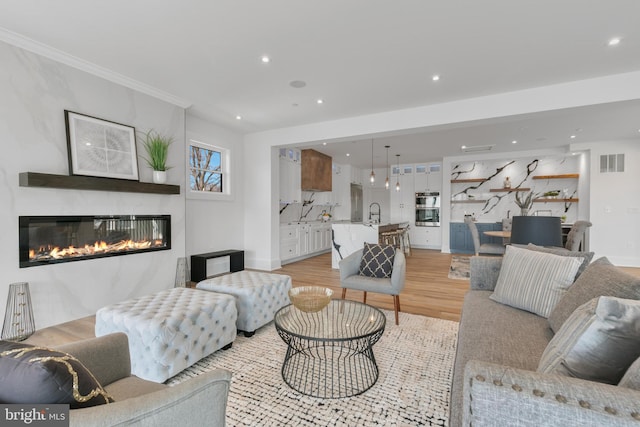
point(600, 278)
point(598, 342)
point(41, 375)
point(586, 256)
point(377, 260)
point(631, 378)
point(534, 281)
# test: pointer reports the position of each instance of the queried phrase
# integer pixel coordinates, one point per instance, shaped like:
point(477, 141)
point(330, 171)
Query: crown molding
point(89, 67)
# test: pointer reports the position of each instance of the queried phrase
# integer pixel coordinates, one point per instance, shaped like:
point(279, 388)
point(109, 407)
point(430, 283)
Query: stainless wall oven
point(428, 209)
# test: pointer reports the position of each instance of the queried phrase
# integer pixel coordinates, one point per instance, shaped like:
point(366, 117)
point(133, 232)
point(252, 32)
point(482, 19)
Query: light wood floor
point(428, 292)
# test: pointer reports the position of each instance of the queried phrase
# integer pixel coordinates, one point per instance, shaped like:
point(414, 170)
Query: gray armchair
point(350, 279)
point(576, 235)
point(198, 401)
point(482, 248)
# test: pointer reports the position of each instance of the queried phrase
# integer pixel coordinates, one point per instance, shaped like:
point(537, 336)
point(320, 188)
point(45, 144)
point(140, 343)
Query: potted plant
point(156, 146)
point(524, 203)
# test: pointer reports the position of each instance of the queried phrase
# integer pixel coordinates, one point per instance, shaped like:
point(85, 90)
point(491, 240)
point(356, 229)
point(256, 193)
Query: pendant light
point(372, 178)
point(398, 177)
point(386, 181)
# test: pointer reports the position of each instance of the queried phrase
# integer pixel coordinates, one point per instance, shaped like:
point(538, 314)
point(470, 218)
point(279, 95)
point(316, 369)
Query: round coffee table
point(329, 352)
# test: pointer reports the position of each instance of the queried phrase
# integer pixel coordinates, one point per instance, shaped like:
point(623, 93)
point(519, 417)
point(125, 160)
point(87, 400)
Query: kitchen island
point(348, 237)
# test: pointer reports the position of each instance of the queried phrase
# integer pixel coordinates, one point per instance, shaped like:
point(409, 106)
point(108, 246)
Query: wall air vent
point(611, 163)
point(476, 148)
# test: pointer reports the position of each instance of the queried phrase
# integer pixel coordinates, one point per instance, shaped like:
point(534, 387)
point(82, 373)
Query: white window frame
point(225, 165)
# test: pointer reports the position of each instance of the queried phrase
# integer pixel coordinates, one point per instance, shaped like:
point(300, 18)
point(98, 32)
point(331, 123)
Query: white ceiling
point(359, 56)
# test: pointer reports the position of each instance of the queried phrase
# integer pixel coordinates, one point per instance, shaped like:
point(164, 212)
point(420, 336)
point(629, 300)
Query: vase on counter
point(524, 211)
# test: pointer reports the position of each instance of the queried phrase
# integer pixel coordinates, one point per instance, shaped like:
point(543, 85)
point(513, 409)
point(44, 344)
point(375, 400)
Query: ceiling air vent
point(611, 163)
point(476, 148)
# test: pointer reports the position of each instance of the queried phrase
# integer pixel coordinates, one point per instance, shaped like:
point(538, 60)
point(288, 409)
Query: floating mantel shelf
point(545, 200)
point(70, 182)
point(462, 181)
point(565, 176)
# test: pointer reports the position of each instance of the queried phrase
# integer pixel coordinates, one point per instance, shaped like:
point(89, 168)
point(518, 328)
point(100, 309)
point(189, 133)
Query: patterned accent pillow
point(534, 281)
point(377, 260)
point(42, 375)
point(598, 342)
point(600, 278)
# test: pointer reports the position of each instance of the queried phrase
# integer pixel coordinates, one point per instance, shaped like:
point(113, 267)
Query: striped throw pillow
point(534, 281)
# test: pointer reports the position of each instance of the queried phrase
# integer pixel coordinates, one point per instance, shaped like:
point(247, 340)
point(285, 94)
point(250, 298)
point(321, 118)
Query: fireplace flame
point(101, 247)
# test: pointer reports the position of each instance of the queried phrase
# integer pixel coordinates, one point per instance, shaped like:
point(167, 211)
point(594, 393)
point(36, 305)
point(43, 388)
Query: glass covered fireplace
point(54, 239)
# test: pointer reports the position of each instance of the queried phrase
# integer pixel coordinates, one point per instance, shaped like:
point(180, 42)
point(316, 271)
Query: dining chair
point(482, 248)
point(506, 226)
point(576, 235)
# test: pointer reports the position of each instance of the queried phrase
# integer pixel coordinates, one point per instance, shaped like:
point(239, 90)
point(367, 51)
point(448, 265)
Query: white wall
point(615, 203)
point(214, 225)
point(35, 92)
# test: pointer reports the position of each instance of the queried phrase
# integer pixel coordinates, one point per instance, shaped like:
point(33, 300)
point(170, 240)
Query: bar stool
point(405, 240)
point(390, 238)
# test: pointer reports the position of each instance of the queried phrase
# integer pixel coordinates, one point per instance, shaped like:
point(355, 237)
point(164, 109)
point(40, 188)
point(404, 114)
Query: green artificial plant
point(157, 147)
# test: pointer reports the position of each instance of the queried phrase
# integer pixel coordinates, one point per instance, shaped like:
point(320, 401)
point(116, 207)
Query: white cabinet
point(290, 173)
point(403, 200)
point(303, 240)
point(289, 242)
point(356, 175)
point(426, 237)
point(428, 177)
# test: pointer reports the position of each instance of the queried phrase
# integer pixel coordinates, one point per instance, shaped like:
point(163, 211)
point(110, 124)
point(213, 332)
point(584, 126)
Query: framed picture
point(101, 148)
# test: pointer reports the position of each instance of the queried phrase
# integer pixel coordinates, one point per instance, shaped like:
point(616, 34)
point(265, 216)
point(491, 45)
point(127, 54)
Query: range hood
point(315, 171)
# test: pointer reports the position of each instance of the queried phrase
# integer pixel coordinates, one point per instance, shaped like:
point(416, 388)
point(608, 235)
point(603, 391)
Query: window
point(208, 170)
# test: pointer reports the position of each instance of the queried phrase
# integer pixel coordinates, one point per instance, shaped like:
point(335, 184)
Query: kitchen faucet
point(371, 213)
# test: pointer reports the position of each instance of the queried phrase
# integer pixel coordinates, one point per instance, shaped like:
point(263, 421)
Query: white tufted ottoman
point(171, 330)
point(258, 296)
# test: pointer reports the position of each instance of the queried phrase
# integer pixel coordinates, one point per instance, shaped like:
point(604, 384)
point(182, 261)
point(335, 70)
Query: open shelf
point(504, 190)
point(545, 200)
point(469, 201)
point(463, 181)
point(565, 176)
point(71, 182)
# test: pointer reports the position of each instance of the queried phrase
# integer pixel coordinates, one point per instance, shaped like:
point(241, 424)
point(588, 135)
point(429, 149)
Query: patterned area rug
point(415, 361)
point(459, 268)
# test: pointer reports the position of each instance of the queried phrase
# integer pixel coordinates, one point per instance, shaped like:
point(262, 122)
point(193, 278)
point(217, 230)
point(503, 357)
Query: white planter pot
point(159, 177)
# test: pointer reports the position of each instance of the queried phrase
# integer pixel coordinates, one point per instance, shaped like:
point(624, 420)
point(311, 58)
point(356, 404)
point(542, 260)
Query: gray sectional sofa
point(199, 401)
point(499, 348)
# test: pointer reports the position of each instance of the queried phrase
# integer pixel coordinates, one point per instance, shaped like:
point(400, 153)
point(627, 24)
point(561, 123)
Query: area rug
point(459, 268)
point(415, 360)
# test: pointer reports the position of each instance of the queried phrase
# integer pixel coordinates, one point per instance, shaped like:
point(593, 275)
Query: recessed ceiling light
point(348, 154)
point(572, 137)
point(319, 101)
point(614, 41)
point(463, 147)
point(265, 59)
point(514, 142)
point(238, 117)
point(435, 77)
point(324, 143)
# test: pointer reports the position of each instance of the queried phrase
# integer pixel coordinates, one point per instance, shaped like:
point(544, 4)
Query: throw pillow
point(42, 375)
point(598, 342)
point(377, 260)
point(534, 281)
point(586, 256)
point(600, 278)
point(631, 378)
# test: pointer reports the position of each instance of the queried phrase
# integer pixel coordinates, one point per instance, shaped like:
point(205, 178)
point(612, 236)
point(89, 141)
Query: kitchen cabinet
point(290, 170)
point(428, 178)
point(460, 240)
point(403, 201)
point(356, 175)
point(426, 237)
point(303, 240)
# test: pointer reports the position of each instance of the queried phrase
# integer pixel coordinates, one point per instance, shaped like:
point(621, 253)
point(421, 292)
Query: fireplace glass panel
point(54, 239)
